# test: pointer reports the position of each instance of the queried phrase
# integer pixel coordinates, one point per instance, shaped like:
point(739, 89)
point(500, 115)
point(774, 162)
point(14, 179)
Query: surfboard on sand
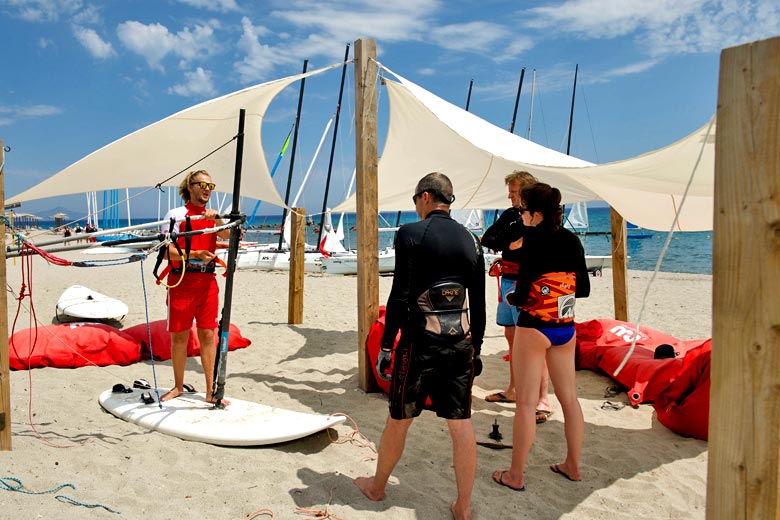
point(190, 417)
point(79, 302)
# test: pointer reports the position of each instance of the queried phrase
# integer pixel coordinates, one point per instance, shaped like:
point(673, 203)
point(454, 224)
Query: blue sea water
point(689, 252)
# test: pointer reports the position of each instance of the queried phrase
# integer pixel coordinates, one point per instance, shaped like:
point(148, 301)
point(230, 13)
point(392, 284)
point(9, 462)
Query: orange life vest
point(551, 297)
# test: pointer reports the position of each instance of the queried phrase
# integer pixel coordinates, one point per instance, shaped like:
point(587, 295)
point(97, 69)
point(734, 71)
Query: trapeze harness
point(443, 308)
point(551, 298)
point(204, 241)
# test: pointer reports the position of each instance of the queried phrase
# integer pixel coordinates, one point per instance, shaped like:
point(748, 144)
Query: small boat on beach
point(82, 303)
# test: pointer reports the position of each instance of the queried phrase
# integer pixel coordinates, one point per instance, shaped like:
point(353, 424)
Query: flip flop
point(498, 478)
point(556, 469)
point(498, 397)
point(542, 416)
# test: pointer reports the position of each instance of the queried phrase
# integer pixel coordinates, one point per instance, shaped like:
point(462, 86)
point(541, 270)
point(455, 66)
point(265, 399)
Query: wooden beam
point(619, 265)
point(5, 384)
point(367, 203)
point(744, 453)
point(297, 261)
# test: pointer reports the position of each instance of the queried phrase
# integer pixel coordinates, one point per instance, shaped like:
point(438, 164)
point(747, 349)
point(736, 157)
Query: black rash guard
point(433, 250)
point(508, 228)
point(549, 250)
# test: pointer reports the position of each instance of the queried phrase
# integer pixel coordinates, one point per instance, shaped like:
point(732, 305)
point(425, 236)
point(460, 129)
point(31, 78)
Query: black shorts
point(424, 368)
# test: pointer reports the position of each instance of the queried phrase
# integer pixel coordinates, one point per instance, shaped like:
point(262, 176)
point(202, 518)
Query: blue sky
point(78, 74)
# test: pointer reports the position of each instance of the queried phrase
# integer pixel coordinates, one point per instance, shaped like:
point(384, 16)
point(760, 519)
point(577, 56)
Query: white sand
point(632, 466)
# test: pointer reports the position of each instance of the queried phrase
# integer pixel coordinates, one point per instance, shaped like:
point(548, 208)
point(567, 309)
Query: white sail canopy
point(429, 134)
point(179, 142)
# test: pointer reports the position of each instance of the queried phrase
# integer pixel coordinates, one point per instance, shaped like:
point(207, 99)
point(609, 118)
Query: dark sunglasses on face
point(203, 185)
point(433, 193)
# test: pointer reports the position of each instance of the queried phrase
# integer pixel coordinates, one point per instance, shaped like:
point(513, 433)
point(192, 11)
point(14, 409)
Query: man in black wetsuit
point(438, 262)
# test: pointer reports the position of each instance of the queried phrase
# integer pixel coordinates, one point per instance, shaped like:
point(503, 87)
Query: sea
point(688, 252)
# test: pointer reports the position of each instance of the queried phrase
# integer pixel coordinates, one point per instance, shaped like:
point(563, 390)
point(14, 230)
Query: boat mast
point(468, 98)
point(531, 113)
point(571, 114)
point(517, 101)
point(220, 365)
point(333, 145)
point(294, 146)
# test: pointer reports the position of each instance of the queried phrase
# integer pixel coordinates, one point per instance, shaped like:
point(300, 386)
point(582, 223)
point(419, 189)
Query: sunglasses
point(434, 193)
point(203, 185)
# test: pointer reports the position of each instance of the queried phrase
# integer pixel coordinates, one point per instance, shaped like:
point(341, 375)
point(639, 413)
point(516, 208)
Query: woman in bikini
point(553, 275)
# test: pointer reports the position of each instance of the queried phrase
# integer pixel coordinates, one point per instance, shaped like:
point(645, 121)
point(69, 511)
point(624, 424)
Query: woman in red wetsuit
point(552, 276)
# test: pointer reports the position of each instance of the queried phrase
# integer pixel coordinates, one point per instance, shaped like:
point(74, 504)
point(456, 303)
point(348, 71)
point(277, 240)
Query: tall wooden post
point(5, 385)
point(744, 453)
point(619, 267)
point(297, 260)
point(367, 202)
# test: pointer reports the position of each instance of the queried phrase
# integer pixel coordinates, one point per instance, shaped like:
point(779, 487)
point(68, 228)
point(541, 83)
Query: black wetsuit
point(508, 228)
point(427, 252)
point(547, 250)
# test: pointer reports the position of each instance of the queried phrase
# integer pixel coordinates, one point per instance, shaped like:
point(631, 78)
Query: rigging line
point(590, 123)
point(159, 184)
point(665, 248)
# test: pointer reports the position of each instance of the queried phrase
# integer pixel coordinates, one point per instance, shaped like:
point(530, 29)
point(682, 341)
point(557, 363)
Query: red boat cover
point(602, 344)
point(373, 343)
point(161, 340)
point(684, 407)
point(72, 345)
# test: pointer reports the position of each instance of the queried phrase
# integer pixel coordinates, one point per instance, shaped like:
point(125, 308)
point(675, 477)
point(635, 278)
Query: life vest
point(551, 297)
point(205, 241)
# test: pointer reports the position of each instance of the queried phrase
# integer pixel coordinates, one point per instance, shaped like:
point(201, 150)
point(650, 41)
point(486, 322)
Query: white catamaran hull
point(264, 258)
point(346, 263)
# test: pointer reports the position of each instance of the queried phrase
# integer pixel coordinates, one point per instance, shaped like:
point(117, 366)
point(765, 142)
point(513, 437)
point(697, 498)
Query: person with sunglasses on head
point(437, 301)
point(193, 294)
point(502, 236)
point(552, 276)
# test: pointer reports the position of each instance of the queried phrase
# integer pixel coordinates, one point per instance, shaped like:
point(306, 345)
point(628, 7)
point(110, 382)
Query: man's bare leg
point(464, 457)
point(208, 356)
point(391, 447)
point(179, 360)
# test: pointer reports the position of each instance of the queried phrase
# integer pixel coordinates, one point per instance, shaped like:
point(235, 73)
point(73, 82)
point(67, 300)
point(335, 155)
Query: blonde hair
point(524, 178)
point(184, 186)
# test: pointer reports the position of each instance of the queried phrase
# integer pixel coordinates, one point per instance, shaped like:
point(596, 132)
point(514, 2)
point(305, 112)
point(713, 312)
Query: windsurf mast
point(468, 97)
point(333, 146)
point(292, 154)
point(571, 113)
point(220, 366)
point(517, 101)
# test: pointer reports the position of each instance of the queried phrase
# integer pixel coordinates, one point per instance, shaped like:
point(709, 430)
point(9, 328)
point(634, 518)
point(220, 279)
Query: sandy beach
point(632, 466)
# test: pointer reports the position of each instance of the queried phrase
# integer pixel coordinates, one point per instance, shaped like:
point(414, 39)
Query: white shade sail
point(427, 133)
point(156, 152)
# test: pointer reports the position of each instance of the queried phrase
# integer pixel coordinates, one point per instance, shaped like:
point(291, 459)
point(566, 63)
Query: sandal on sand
point(542, 416)
point(498, 397)
point(557, 469)
point(498, 478)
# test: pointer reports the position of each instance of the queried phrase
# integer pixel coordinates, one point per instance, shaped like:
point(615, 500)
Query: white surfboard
point(83, 303)
point(191, 418)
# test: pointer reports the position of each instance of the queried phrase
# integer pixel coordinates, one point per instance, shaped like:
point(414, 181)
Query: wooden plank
point(744, 454)
point(619, 264)
point(5, 384)
point(367, 202)
point(297, 260)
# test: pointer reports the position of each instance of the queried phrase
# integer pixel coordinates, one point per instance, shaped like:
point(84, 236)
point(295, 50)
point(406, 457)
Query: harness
point(190, 265)
point(443, 307)
point(551, 297)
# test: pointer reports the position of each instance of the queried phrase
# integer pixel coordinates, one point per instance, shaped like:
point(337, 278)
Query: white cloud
point(212, 5)
point(154, 42)
point(91, 41)
point(663, 27)
point(260, 59)
point(12, 114)
point(426, 71)
point(44, 42)
point(197, 84)
point(44, 10)
point(488, 38)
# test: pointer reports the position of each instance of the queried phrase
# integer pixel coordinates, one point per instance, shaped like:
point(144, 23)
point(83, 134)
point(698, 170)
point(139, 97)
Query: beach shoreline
point(628, 456)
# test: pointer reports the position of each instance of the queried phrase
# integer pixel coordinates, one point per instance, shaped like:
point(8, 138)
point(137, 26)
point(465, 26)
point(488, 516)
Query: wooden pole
point(744, 453)
point(5, 384)
point(619, 268)
point(297, 259)
point(367, 203)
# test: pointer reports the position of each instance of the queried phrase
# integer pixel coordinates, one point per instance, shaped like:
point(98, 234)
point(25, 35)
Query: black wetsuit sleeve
point(477, 312)
point(397, 303)
point(582, 289)
point(498, 236)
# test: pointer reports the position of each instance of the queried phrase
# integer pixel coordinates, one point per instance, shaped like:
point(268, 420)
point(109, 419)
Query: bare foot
point(458, 513)
point(173, 393)
point(224, 402)
point(366, 485)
